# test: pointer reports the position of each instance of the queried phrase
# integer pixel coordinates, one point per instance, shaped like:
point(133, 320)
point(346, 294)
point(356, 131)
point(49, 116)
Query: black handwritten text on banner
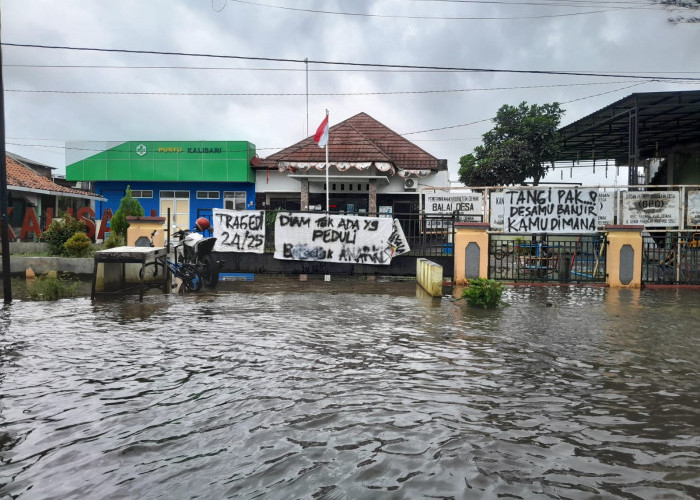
point(239, 230)
point(551, 210)
point(333, 238)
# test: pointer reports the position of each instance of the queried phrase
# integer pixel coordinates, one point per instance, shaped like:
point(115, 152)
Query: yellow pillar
point(142, 227)
point(624, 256)
point(471, 250)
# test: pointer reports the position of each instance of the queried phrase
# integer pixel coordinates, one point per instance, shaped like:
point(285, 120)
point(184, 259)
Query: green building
point(188, 177)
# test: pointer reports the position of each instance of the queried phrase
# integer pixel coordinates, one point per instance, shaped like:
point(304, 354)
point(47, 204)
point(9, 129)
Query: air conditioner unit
point(410, 184)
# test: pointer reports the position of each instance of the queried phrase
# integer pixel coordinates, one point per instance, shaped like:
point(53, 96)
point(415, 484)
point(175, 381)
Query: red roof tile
point(360, 138)
point(24, 177)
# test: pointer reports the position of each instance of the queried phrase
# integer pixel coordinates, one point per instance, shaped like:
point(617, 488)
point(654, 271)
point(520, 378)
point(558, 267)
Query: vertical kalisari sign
point(651, 208)
point(551, 210)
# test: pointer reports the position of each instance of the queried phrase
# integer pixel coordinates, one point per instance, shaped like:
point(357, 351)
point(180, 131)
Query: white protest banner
point(550, 210)
point(693, 208)
point(496, 205)
point(651, 208)
point(333, 238)
point(239, 230)
point(398, 241)
point(606, 208)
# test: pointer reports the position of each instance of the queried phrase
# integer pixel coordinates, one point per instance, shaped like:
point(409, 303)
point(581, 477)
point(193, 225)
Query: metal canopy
point(640, 126)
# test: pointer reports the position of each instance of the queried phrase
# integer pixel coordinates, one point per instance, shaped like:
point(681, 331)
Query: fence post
point(471, 250)
point(624, 256)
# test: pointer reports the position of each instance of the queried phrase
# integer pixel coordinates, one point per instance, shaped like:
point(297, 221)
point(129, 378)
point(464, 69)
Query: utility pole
point(4, 219)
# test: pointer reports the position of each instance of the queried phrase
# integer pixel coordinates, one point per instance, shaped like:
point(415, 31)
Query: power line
point(296, 94)
point(351, 64)
point(491, 119)
point(298, 70)
point(443, 18)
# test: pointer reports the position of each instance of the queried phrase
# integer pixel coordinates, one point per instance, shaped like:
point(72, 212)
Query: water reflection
point(352, 389)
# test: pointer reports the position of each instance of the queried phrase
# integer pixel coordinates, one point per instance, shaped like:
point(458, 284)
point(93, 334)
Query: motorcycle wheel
point(209, 271)
point(191, 280)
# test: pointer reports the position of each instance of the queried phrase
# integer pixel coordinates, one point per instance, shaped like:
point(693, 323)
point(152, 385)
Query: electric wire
point(440, 18)
point(349, 64)
point(297, 94)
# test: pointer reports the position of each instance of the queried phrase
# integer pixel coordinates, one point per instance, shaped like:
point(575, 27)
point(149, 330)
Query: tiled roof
point(19, 176)
point(360, 138)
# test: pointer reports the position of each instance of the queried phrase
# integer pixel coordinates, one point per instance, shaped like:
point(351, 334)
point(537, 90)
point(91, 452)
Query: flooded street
point(352, 389)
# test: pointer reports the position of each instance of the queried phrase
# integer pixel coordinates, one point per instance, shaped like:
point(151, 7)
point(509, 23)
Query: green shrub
point(61, 231)
point(50, 286)
point(78, 245)
point(483, 293)
point(113, 241)
point(128, 207)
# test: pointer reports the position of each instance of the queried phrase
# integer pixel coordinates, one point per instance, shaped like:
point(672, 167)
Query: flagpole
point(328, 186)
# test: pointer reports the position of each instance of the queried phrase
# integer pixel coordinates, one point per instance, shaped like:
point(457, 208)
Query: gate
point(671, 258)
point(533, 258)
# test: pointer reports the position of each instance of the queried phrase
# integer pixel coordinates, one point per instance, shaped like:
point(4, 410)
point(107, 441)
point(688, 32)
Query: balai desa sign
point(550, 210)
point(447, 203)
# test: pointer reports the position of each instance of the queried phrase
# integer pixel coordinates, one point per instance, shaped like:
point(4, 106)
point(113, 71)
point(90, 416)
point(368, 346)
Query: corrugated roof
point(19, 176)
point(360, 138)
point(663, 120)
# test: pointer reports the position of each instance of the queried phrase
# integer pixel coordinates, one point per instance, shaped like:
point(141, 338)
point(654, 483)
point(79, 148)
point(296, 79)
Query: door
point(179, 204)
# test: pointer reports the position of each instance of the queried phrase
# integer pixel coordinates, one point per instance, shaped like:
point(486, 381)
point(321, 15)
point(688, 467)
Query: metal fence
point(668, 257)
point(565, 259)
point(427, 236)
point(671, 258)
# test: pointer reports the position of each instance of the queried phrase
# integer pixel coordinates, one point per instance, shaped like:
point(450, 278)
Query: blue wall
point(114, 191)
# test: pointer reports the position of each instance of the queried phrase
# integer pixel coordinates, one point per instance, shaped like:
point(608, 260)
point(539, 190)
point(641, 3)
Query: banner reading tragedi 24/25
point(550, 210)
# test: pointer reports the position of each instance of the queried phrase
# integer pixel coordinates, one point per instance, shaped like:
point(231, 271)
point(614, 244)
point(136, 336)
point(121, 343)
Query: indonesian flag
point(321, 135)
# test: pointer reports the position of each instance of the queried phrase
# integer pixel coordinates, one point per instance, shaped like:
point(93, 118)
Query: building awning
point(321, 179)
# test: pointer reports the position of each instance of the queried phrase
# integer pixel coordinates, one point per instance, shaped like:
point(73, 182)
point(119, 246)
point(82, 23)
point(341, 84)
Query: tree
point(688, 8)
point(128, 206)
point(519, 146)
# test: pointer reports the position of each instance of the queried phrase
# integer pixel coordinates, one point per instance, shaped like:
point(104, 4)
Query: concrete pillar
point(372, 207)
point(624, 256)
point(429, 276)
point(471, 250)
point(305, 194)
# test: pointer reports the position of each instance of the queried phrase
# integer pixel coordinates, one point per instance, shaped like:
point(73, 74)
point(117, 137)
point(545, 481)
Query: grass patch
point(52, 286)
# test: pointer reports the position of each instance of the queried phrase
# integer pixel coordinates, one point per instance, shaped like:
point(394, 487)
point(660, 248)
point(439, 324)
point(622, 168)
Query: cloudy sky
point(257, 89)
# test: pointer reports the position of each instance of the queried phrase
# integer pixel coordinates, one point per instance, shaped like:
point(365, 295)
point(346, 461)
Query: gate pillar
point(624, 256)
point(471, 250)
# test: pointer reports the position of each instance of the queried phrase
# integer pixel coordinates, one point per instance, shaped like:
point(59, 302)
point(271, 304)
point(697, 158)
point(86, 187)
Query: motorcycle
point(194, 248)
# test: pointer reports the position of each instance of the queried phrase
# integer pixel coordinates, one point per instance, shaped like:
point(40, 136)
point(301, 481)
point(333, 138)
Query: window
point(235, 200)
point(208, 195)
point(142, 193)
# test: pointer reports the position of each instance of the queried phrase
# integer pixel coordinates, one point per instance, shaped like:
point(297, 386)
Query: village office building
point(373, 170)
point(188, 177)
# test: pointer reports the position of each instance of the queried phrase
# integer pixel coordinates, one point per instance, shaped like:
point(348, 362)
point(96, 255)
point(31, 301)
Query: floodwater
point(352, 389)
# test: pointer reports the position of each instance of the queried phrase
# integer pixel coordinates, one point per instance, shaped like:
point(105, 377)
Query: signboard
point(239, 230)
point(334, 238)
point(496, 206)
point(606, 208)
point(469, 205)
point(551, 210)
point(651, 208)
point(693, 208)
